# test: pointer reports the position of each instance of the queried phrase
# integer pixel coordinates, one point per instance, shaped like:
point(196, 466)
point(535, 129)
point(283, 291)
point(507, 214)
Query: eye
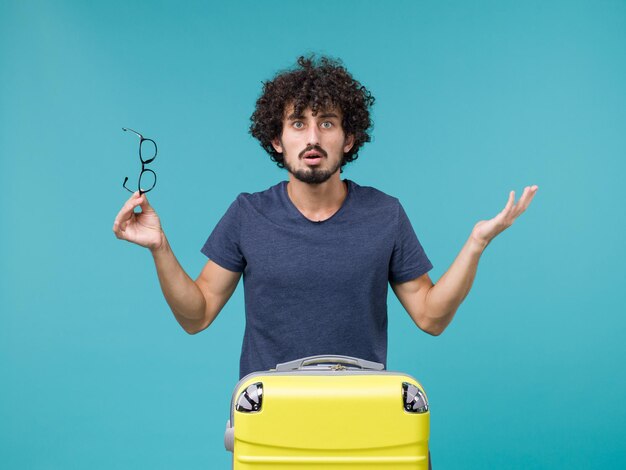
point(298, 124)
point(327, 124)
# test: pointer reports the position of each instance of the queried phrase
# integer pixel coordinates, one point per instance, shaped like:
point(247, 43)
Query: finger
point(119, 233)
point(119, 228)
point(143, 202)
point(124, 224)
point(522, 198)
point(529, 193)
point(133, 202)
point(127, 210)
point(509, 203)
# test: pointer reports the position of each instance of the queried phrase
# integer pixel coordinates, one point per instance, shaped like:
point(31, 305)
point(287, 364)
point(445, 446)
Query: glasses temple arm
point(135, 132)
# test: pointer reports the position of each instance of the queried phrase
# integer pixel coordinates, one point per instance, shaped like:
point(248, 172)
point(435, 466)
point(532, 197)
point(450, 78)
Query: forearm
point(181, 293)
point(444, 298)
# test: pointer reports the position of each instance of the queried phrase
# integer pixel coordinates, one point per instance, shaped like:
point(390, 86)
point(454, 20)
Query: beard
point(312, 175)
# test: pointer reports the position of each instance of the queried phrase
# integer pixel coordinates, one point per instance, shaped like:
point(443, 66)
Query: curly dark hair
point(318, 85)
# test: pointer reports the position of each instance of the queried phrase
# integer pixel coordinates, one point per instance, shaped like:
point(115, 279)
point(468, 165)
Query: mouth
point(313, 157)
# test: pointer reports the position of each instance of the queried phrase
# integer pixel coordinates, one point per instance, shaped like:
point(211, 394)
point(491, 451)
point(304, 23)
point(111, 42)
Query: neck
point(317, 202)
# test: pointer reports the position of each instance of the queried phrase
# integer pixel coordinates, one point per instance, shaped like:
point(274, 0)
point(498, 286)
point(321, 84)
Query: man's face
point(313, 146)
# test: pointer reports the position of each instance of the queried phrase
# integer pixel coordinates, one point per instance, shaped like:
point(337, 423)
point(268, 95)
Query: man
point(316, 252)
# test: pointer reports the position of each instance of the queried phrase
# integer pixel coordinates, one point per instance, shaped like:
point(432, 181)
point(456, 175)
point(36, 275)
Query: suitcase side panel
point(332, 420)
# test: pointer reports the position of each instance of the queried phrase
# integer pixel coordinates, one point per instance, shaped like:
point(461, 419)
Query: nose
point(313, 136)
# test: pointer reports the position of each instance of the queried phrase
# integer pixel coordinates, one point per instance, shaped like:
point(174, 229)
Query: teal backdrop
point(473, 99)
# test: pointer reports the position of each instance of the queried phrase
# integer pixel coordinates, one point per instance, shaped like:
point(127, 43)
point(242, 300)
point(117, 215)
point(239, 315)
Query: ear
point(348, 143)
point(277, 145)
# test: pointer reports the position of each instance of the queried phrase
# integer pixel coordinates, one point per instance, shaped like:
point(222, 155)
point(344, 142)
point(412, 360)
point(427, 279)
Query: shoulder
point(260, 201)
point(373, 197)
point(260, 196)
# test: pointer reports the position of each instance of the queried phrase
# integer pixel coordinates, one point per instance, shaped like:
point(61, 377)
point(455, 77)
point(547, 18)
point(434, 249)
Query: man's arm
point(194, 304)
point(432, 306)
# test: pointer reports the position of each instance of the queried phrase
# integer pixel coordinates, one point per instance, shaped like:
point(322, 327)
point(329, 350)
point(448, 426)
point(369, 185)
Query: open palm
point(486, 230)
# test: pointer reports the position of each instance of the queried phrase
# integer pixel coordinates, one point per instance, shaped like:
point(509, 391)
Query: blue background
point(474, 99)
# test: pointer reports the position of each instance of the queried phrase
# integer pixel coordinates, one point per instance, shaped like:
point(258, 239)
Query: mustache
point(317, 148)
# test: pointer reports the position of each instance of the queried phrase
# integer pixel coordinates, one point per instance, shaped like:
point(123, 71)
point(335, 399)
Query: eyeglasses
point(148, 148)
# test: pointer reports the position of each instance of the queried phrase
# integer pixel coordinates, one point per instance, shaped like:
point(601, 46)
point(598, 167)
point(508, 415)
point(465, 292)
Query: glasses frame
point(142, 139)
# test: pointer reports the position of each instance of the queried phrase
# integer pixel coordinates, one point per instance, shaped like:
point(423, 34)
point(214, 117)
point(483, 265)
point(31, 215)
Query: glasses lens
point(147, 150)
point(147, 180)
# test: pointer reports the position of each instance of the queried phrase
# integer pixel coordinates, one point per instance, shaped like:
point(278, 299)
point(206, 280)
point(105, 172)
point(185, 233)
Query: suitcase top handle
point(339, 360)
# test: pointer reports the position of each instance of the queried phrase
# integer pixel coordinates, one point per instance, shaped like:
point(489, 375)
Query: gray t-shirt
point(315, 287)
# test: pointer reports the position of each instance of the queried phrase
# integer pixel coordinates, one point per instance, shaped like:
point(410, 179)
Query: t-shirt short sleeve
point(408, 260)
point(223, 245)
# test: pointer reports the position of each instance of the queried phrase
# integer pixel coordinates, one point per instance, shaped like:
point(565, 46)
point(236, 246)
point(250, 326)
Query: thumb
point(143, 202)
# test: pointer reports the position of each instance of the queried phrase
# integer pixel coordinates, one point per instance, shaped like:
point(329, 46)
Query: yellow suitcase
point(331, 412)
